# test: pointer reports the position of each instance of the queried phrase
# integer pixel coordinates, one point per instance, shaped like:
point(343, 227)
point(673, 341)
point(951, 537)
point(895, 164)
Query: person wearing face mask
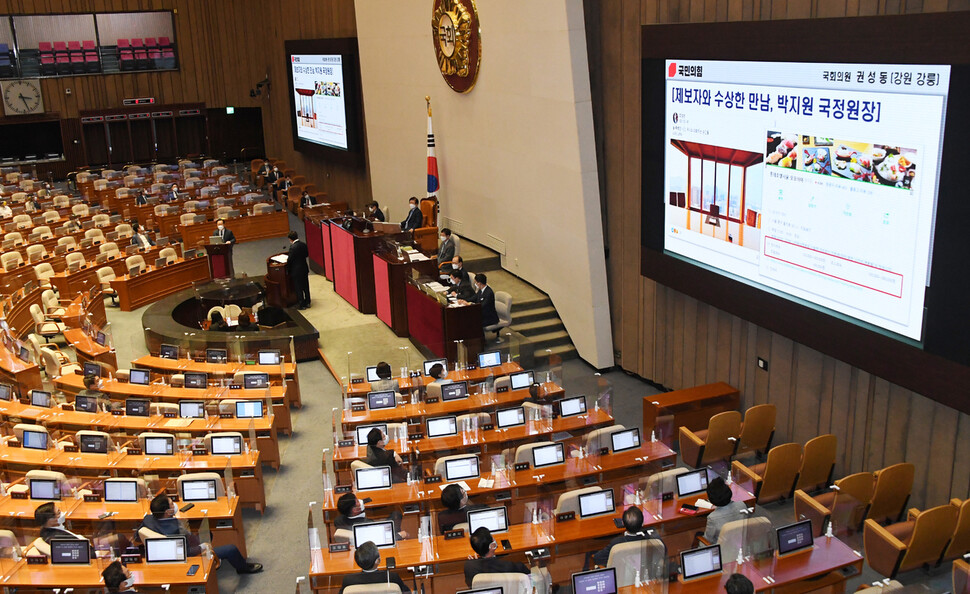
point(377, 455)
point(414, 218)
point(139, 238)
point(117, 579)
point(175, 193)
point(298, 270)
point(273, 178)
point(446, 251)
point(460, 287)
point(51, 524)
point(91, 385)
point(350, 510)
point(484, 546)
point(163, 521)
point(485, 296)
point(226, 235)
point(306, 200)
point(374, 211)
point(458, 264)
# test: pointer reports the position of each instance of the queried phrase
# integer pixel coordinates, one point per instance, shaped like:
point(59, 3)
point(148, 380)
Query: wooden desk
point(390, 274)
point(82, 306)
point(147, 287)
point(89, 350)
point(26, 376)
point(69, 284)
point(47, 577)
point(248, 228)
point(247, 469)
point(115, 390)
point(267, 441)
point(316, 226)
point(470, 375)
point(474, 402)
point(691, 407)
point(437, 327)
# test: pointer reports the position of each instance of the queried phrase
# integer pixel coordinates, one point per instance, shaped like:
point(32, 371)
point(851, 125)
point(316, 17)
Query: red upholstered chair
point(164, 42)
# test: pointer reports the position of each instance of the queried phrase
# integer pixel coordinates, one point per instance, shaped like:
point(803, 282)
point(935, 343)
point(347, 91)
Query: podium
point(279, 289)
point(220, 260)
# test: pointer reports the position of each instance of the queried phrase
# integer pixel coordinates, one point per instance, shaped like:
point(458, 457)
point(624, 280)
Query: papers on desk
point(281, 258)
point(417, 257)
point(704, 504)
point(462, 484)
point(178, 422)
point(437, 287)
point(486, 483)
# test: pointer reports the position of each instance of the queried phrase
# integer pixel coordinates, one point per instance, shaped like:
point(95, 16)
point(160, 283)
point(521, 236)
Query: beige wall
point(516, 154)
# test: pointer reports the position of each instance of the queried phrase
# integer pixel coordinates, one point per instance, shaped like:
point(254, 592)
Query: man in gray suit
point(446, 251)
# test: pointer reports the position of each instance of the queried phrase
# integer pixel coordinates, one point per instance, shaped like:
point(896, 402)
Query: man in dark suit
point(378, 455)
point(456, 503)
point(140, 238)
point(368, 557)
point(374, 211)
point(298, 270)
point(117, 579)
point(351, 512)
point(284, 186)
point(272, 178)
point(175, 195)
point(633, 532)
point(52, 523)
point(140, 199)
point(486, 297)
point(414, 218)
point(306, 199)
point(484, 545)
point(221, 231)
point(162, 520)
point(446, 251)
point(458, 264)
point(460, 287)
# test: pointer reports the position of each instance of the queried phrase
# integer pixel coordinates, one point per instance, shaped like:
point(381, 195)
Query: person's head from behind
point(453, 497)
point(90, 382)
point(292, 236)
point(738, 584)
point(367, 556)
point(718, 492)
point(384, 370)
point(412, 202)
point(244, 319)
point(534, 391)
point(375, 437)
point(161, 506)
point(349, 505)
point(436, 371)
point(115, 575)
point(482, 542)
point(481, 280)
point(633, 520)
point(216, 318)
point(46, 514)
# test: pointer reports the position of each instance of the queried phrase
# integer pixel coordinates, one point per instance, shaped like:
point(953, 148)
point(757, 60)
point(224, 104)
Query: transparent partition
point(747, 540)
point(641, 564)
point(228, 478)
point(604, 395)
point(251, 445)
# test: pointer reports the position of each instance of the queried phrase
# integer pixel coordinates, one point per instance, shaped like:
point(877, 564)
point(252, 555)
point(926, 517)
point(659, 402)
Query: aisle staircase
point(534, 318)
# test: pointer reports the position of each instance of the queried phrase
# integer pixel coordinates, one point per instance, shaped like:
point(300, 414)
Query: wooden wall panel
point(672, 339)
point(225, 47)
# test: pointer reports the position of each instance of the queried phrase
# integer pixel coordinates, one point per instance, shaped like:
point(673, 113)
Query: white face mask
point(128, 583)
point(60, 519)
point(443, 239)
point(413, 206)
point(220, 227)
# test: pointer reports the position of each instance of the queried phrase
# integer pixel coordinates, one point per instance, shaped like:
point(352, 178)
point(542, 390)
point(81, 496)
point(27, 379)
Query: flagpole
point(433, 181)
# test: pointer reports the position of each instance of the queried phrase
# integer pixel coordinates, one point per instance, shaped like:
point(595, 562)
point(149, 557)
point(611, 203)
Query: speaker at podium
point(220, 258)
point(279, 287)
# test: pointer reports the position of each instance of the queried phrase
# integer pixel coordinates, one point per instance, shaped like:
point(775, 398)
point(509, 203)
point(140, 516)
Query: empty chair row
point(726, 435)
point(788, 467)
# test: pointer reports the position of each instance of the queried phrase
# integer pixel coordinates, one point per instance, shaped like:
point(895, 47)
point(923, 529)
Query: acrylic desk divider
point(227, 477)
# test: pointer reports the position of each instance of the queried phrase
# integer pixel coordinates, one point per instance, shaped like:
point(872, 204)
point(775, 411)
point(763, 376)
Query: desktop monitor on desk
point(628, 439)
point(45, 489)
point(596, 503)
point(521, 380)
point(571, 407)
point(40, 398)
point(510, 417)
point(165, 550)
point(199, 490)
point(160, 445)
point(196, 379)
point(454, 391)
point(379, 400)
point(216, 355)
point(249, 409)
point(168, 351)
point(691, 483)
point(24, 354)
point(548, 455)
point(191, 409)
point(459, 469)
point(597, 581)
point(225, 445)
point(701, 562)
point(137, 407)
point(86, 403)
point(254, 381)
point(795, 538)
point(34, 440)
point(431, 363)
point(379, 533)
point(496, 519)
point(6, 392)
point(139, 377)
point(70, 551)
point(92, 368)
point(122, 491)
point(443, 426)
point(93, 444)
point(372, 479)
point(100, 338)
point(489, 359)
point(371, 373)
point(268, 357)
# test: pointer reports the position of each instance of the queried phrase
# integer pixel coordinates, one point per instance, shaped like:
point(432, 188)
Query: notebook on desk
point(178, 423)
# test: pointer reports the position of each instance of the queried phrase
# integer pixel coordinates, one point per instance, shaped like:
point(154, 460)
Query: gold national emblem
point(457, 42)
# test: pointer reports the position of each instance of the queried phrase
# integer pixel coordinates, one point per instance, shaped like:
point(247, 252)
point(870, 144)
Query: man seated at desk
point(351, 512)
point(91, 385)
point(226, 235)
point(486, 297)
point(438, 375)
point(484, 546)
point(117, 579)
point(632, 532)
point(163, 521)
point(414, 218)
point(458, 264)
point(385, 383)
point(368, 557)
point(5, 211)
point(140, 238)
point(245, 324)
point(455, 500)
point(446, 251)
point(377, 455)
point(306, 199)
point(460, 287)
point(174, 195)
point(140, 199)
point(51, 523)
point(738, 584)
point(374, 211)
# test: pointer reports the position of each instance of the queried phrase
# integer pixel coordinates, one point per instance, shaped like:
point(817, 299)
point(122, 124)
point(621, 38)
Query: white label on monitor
point(822, 184)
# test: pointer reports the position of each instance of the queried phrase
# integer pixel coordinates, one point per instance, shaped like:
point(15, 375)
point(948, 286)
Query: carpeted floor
point(351, 340)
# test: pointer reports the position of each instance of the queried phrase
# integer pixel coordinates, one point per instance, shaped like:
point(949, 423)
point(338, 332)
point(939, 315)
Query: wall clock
point(22, 97)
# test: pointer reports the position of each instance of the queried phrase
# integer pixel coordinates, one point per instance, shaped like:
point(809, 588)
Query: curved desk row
point(24, 577)
point(361, 388)
point(69, 284)
point(16, 308)
point(136, 291)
